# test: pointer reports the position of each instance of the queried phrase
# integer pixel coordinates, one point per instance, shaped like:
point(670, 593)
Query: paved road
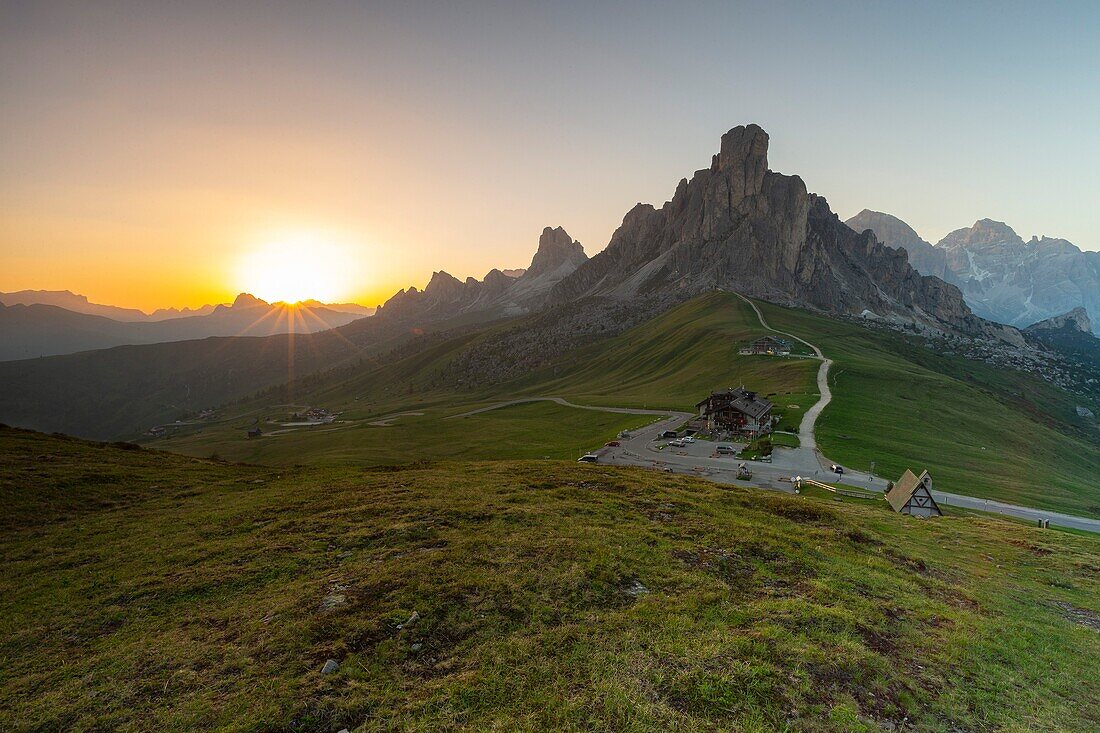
point(809, 418)
point(644, 449)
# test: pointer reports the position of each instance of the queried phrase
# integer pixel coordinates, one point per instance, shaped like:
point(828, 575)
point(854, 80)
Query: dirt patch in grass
point(1078, 615)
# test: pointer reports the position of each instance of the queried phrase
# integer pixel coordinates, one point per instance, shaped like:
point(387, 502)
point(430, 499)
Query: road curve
point(637, 450)
point(809, 418)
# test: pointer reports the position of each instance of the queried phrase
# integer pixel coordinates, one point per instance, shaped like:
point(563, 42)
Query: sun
point(294, 268)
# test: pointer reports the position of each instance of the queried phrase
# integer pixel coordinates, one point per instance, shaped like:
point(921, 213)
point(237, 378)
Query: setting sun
point(296, 268)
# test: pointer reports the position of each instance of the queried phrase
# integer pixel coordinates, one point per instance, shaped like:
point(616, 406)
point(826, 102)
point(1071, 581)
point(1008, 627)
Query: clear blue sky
point(447, 135)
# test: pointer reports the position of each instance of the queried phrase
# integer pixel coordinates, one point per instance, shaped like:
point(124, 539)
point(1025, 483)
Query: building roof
point(740, 399)
point(771, 339)
point(904, 488)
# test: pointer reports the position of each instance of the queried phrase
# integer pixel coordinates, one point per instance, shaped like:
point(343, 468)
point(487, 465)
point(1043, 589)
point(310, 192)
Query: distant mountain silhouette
point(30, 331)
point(499, 294)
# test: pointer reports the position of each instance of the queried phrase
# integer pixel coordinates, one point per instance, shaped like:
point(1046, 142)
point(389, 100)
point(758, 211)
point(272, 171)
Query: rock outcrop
point(1075, 320)
point(893, 232)
point(499, 294)
point(739, 226)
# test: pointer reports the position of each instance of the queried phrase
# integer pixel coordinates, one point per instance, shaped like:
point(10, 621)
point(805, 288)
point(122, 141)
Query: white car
point(676, 443)
point(588, 458)
point(689, 440)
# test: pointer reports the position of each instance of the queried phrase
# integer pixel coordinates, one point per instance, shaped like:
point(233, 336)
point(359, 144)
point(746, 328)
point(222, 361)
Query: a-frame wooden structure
point(913, 495)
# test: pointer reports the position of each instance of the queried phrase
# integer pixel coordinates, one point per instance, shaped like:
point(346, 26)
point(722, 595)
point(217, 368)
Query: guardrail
point(800, 482)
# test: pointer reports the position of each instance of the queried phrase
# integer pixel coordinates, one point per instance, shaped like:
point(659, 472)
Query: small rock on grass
point(330, 666)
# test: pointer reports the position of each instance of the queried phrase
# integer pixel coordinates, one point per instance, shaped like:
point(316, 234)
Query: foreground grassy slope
point(149, 591)
point(979, 430)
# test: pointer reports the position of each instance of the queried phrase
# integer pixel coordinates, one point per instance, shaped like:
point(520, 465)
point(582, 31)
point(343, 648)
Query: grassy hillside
point(669, 362)
point(978, 430)
point(123, 391)
point(150, 591)
point(534, 430)
point(676, 359)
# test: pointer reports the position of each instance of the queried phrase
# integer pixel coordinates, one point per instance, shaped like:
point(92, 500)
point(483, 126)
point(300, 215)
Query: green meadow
point(978, 430)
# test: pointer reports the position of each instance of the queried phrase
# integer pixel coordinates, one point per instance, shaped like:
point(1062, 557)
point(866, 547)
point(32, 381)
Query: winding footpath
point(641, 449)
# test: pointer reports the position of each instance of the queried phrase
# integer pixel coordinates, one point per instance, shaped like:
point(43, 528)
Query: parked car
point(676, 443)
point(766, 459)
point(689, 439)
point(724, 449)
point(612, 444)
point(837, 469)
point(588, 458)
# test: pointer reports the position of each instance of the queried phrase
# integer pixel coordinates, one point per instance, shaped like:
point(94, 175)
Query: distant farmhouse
point(913, 495)
point(736, 411)
point(767, 345)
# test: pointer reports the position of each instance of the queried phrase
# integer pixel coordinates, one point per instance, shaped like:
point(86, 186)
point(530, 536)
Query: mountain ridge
point(497, 294)
point(38, 329)
point(739, 226)
point(1002, 277)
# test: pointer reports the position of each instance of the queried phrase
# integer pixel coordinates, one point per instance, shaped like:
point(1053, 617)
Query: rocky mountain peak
point(556, 248)
point(739, 226)
point(1076, 319)
point(888, 228)
point(443, 286)
point(743, 158)
point(247, 300)
point(893, 232)
point(984, 234)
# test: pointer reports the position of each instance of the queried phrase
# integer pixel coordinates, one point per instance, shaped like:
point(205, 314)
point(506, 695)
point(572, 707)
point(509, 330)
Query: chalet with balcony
point(736, 411)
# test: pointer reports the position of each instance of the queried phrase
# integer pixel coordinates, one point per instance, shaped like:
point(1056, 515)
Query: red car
point(611, 444)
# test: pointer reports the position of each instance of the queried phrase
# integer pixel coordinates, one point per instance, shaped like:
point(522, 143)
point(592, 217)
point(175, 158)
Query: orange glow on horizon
point(295, 267)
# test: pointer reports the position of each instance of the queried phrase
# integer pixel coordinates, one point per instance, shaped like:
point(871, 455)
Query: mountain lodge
point(736, 411)
point(767, 345)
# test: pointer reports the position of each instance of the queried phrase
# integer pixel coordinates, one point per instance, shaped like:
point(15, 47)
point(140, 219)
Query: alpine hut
point(913, 495)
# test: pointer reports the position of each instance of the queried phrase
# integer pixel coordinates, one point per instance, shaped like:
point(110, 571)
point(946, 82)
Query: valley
point(894, 402)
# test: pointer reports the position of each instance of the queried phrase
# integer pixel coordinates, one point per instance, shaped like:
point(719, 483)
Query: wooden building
point(736, 411)
point(767, 345)
point(913, 495)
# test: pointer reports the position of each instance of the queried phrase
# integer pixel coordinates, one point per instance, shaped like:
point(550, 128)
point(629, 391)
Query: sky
point(174, 154)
